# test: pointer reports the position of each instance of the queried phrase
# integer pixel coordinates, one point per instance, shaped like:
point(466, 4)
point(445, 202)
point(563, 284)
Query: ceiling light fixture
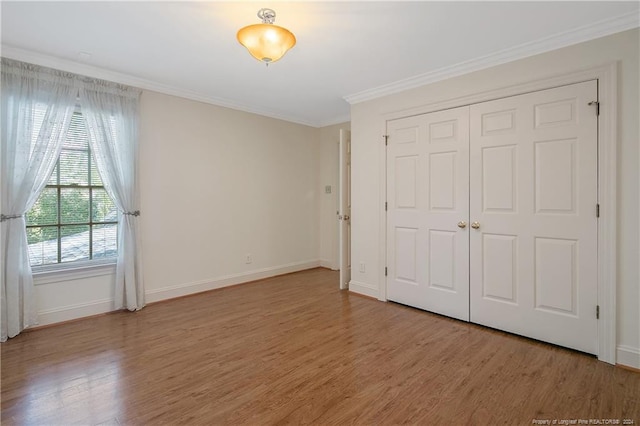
point(266, 42)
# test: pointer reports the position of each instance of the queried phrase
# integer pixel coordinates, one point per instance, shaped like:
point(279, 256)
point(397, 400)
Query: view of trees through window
point(74, 218)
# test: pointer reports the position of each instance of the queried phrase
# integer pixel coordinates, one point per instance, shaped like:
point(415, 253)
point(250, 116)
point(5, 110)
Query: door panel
point(499, 264)
point(442, 181)
point(555, 176)
point(555, 272)
point(406, 255)
point(406, 181)
point(533, 191)
point(442, 260)
point(427, 183)
point(345, 208)
point(499, 178)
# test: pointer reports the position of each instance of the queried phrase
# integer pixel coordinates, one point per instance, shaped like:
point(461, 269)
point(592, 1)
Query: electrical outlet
point(248, 259)
point(362, 267)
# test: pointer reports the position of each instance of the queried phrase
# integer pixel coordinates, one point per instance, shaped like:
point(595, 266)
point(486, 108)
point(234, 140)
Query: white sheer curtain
point(37, 105)
point(111, 113)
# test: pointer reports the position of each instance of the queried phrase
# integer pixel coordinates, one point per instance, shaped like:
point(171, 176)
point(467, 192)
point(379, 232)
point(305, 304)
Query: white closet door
point(427, 193)
point(533, 194)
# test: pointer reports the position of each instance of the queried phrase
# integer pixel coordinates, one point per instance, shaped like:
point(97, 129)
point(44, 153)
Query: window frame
point(86, 267)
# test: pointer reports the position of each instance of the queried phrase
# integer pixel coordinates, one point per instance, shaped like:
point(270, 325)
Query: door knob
point(347, 217)
point(475, 225)
point(462, 224)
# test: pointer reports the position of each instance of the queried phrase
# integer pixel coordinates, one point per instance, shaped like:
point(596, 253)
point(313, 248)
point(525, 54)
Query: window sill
point(50, 275)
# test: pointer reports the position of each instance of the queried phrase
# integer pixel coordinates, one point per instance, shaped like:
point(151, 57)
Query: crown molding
point(335, 120)
point(141, 83)
point(574, 36)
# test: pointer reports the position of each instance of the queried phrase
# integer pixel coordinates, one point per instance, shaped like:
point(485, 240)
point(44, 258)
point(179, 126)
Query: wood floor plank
point(296, 350)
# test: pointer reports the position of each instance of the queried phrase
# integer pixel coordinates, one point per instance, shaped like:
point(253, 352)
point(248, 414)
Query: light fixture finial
point(268, 16)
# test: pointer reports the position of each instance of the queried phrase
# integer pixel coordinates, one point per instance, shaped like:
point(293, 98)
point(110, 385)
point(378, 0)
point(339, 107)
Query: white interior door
point(533, 192)
point(427, 211)
point(344, 210)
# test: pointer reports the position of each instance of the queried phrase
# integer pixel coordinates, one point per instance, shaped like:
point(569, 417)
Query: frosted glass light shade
point(266, 42)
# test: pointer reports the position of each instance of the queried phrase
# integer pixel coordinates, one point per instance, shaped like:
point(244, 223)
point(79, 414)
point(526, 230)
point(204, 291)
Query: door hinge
point(597, 104)
point(386, 139)
point(385, 271)
point(386, 205)
point(597, 210)
point(597, 311)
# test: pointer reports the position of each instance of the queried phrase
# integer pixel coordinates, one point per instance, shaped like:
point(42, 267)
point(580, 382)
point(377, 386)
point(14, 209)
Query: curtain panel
point(28, 155)
point(111, 114)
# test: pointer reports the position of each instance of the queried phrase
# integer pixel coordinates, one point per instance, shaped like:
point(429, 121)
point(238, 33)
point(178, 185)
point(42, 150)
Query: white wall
point(216, 185)
point(367, 125)
point(219, 184)
point(329, 176)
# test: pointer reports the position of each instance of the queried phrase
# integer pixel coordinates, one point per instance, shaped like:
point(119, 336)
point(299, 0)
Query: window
point(74, 219)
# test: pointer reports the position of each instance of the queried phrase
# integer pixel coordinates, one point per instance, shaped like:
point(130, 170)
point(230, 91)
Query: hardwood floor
point(294, 349)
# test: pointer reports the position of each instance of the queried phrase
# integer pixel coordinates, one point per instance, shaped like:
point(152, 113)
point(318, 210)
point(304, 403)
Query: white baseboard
point(71, 312)
point(214, 283)
point(629, 356)
point(325, 263)
point(364, 289)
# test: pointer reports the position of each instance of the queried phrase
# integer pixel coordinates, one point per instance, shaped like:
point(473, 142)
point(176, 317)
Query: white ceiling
point(345, 50)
